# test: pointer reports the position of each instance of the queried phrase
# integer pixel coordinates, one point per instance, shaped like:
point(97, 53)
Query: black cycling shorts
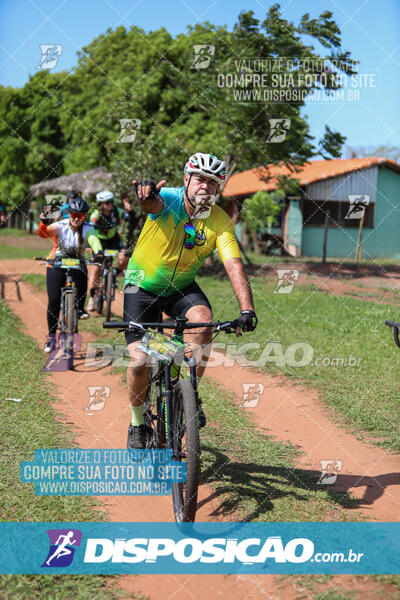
point(144, 307)
point(113, 243)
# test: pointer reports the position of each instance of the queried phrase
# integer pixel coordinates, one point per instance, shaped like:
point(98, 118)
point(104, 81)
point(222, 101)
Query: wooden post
point(359, 248)
point(325, 235)
point(243, 251)
point(256, 243)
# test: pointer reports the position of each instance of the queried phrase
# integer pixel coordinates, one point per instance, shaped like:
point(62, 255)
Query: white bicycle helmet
point(104, 196)
point(208, 165)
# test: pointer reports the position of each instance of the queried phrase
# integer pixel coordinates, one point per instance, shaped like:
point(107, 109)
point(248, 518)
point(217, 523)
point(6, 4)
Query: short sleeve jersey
point(106, 227)
point(68, 240)
point(160, 263)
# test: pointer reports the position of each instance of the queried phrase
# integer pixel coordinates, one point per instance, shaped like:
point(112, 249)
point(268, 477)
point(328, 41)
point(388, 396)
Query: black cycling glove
point(153, 188)
point(247, 320)
point(99, 257)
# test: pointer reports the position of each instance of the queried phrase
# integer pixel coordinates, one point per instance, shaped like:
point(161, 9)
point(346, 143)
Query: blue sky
point(370, 30)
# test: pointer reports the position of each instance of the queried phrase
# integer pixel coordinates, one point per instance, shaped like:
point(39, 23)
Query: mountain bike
point(105, 292)
point(171, 408)
point(69, 316)
point(396, 328)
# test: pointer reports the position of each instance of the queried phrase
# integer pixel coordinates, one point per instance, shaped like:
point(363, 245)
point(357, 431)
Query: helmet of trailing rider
point(104, 196)
point(78, 205)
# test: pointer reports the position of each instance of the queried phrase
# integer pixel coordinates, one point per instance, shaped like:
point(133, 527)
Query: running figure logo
point(278, 130)
point(329, 469)
point(62, 542)
point(358, 204)
point(97, 397)
point(286, 280)
point(50, 54)
point(52, 208)
point(202, 56)
point(129, 128)
point(251, 394)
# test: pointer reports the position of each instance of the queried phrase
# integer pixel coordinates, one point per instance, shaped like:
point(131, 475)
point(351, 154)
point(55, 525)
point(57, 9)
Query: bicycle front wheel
point(186, 447)
point(69, 313)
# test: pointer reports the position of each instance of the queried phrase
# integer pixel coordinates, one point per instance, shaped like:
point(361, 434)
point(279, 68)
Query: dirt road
point(284, 411)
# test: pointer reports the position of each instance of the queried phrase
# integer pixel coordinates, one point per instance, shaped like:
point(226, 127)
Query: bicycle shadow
point(237, 481)
point(85, 364)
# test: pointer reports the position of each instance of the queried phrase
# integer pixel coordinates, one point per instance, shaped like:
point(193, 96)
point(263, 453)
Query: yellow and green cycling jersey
point(160, 263)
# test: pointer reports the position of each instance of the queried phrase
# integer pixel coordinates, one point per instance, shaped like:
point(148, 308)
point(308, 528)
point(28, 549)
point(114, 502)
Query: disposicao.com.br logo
point(135, 547)
point(212, 550)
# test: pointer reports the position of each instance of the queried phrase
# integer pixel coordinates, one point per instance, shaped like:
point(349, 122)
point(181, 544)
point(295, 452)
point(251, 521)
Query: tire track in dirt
point(108, 429)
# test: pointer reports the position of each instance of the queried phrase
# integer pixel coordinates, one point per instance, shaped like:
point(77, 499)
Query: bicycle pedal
point(179, 455)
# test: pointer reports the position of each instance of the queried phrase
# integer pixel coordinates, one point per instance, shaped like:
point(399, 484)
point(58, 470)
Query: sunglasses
point(190, 236)
point(108, 202)
point(77, 215)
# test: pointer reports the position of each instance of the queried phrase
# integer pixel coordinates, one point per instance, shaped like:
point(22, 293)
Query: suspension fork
point(168, 404)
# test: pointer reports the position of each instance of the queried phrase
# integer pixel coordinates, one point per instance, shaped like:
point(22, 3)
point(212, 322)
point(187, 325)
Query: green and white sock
point(137, 415)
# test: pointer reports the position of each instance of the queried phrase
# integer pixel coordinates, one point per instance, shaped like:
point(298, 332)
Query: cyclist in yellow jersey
point(183, 227)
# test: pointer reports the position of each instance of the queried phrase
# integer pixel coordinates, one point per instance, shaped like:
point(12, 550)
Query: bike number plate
point(110, 252)
point(70, 262)
point(161, 347)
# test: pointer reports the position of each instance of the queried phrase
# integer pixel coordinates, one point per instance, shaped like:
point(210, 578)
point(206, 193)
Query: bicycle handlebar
point(227, 326)
point(52, 261)
point(396, 327)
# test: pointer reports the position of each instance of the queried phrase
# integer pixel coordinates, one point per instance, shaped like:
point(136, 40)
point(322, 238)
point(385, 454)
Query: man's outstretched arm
point(240, 283)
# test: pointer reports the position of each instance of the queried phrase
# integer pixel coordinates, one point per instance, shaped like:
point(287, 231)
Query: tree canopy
point(60, 123)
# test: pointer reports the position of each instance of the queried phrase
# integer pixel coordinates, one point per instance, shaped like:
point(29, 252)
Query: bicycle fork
point(167, 398)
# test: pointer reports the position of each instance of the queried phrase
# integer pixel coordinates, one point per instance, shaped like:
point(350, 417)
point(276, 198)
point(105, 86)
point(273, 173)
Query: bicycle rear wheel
point(98, 300)
point(186, 447)
point(109, 293)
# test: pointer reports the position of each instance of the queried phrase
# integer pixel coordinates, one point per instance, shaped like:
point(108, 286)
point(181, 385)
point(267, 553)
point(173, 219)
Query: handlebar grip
point(115, 325)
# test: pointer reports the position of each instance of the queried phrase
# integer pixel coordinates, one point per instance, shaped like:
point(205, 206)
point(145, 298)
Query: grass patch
point(335, 594)
point(13, 252)
point(336, 328)
point(36, 279)
point(27, 426)
point(12, 232)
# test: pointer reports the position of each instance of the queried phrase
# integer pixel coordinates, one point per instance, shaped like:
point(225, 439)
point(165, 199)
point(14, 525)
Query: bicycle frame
point(179, 327)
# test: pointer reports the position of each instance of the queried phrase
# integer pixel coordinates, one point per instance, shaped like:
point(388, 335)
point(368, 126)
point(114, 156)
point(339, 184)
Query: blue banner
point(192, 548)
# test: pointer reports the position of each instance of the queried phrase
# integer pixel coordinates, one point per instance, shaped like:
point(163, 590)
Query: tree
point(67, 122)
point(392, 152)
point(260, 211)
